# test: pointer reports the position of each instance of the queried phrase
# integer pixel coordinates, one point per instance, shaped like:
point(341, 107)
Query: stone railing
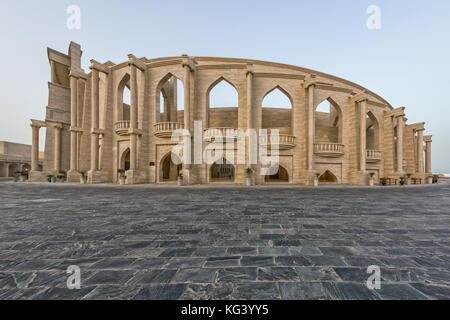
point(285, 141)
point(328, 149)
point(373, 155)
point(122, 127)
point(227, 134)
point(166, 129)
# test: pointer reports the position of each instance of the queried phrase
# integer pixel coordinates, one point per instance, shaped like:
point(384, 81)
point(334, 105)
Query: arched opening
point(170, 100)
point(372, 132)
point(125, 160)
point(170, 167)
point(277, 111)
point(328, 177)
point(277, 174)
point(222, 171)
point(123, 99)
point(222, 101)
point(328, 122)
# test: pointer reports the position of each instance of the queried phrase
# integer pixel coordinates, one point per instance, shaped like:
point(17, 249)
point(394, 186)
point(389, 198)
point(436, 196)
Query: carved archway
point(328, 177)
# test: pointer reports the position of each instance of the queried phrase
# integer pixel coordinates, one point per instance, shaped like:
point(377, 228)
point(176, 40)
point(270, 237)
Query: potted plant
point(371, 182)
point(122, 176)
point(83, 178)
point(435, 178)
point(61, 176)
point(408, 178)
point(23, 176)
point(383, 181)
point(51, 178)
point(316, 179)
point(248, 179)
point(180, 179)
point(16, 176)
point(402, 180)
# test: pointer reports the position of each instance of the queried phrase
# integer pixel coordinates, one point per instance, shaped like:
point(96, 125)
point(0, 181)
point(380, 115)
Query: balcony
point(227, 134)
point(373, 155)
point(329, 149)
point(166, 129)
point(122, 127)
point(285, 141)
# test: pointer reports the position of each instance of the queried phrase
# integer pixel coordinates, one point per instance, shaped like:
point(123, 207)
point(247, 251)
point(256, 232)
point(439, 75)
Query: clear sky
point(406, 61)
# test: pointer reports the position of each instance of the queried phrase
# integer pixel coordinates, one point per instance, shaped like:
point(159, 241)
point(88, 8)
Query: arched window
point(372, 132)
point(277, 111)
point(279, 174)
point(222, 105)
point(222, 170)
point(328, 177)
point(170, 99)
point(170, 170)
point(327, 121)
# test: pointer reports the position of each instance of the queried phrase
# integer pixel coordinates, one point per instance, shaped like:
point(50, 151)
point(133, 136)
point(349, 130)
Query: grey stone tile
point(277, 251)
point(394, 291)
point(277, 273)
point(195, 275)
point(160, 292)
point(292, 261)
point(212, 291)
point(349, 291)
point(109, 277)
point(433, 291)
point(247, 251)
point(230, 261)
point(317, 274)
point(302, 291)
point(237, 274)
point(256, 291)
point(152, 276)
point(257, 261)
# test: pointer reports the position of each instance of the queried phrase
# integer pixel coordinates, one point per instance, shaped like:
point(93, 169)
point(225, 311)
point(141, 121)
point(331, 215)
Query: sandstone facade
point(90, 128)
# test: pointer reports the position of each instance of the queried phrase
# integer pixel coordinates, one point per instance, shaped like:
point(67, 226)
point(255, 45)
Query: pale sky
point(406, 61)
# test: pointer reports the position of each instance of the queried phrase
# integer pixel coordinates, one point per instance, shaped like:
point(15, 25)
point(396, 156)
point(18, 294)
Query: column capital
point(249, 68)
point(138, 63)
point(427, 139)
point(188, 62)
point(95, 65)
point(74, 72)
point(310, 80)
point(38, 123)
point(359, 97)
point(416, 126)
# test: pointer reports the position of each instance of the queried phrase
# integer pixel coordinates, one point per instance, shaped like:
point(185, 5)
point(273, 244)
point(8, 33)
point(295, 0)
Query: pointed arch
point(276, 115)
point(168, 169)
point(171, 88)
point(222, 170)
point(328, 177)
point(328, 126)
point(277, 174)
point(282, 90)
point(122, 108)
point(216, 118)
point(125, 159)
point(372, 132)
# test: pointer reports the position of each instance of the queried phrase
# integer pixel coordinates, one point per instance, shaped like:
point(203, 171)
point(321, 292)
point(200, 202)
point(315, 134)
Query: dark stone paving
point(166, 242)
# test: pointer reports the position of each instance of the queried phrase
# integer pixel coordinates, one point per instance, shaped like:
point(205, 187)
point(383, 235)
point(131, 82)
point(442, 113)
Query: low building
point(92, 129)
point(15, 157)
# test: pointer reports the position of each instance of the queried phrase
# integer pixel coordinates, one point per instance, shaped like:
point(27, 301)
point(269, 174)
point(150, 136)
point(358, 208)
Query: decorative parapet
point(166, 129)
point(328, 149)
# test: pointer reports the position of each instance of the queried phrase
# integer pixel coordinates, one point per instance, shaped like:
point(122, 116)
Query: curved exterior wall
point(89, 129)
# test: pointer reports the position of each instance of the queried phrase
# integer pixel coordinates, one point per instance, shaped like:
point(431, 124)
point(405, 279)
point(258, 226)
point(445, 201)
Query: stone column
point(427, 140)
point(35, 148)
point(73, 123)
point(362, 135)
point(94, 118)
point(400, 130)
point(310, 136)
point(57, 154)
point(187, 97)
point(133, 116)
point(420, 169)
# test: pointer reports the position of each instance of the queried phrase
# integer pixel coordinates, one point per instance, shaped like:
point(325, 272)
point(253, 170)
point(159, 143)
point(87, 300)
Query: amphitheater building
point(91, 129)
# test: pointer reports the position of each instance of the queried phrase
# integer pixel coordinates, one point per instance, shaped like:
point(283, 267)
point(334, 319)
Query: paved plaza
point(223, 242)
